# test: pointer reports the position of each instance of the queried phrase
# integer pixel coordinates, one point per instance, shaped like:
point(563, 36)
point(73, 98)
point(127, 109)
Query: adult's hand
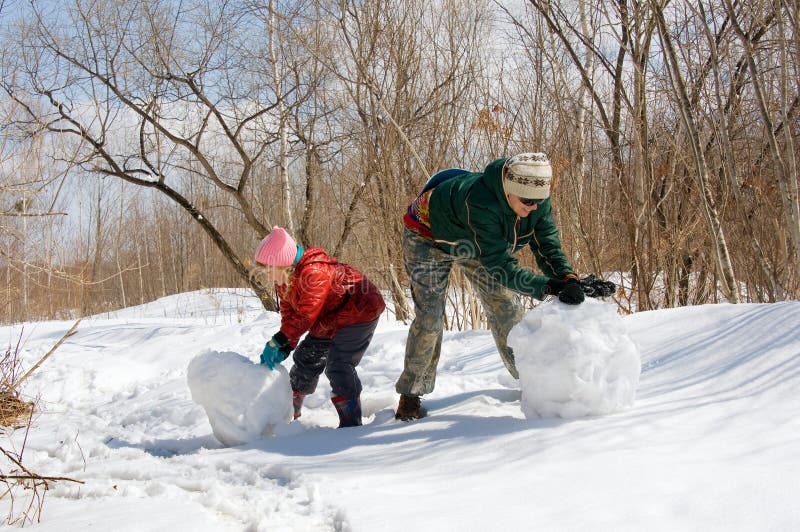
point(593, 287)
point(569, 291)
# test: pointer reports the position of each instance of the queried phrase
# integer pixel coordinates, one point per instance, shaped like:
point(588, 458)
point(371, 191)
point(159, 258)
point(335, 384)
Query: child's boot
point(297, 402)
point(349, 411)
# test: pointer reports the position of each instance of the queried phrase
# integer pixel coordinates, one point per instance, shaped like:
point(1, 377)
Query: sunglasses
point(529, 202)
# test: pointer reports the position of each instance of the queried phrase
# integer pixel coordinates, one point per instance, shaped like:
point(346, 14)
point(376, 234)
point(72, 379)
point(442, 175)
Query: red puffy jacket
point(324, 296)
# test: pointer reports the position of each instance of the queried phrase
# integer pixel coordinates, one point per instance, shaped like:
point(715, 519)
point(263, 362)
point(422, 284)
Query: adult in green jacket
point(479, 221)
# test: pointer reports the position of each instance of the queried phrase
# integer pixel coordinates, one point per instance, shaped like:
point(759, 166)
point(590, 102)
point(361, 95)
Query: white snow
point(575, 360)
point(242, 399)
point(711, 442)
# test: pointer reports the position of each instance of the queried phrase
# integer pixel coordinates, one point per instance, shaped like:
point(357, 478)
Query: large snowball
point(575, 360)
point(244, 401)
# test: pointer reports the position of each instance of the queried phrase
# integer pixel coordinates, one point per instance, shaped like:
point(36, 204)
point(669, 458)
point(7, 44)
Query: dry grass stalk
point(15, 383)
point(23, 489)
point(13, 410)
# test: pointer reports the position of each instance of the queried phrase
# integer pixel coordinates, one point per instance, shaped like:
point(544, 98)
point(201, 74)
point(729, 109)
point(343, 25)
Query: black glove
point(569, 291)
point(594, 287)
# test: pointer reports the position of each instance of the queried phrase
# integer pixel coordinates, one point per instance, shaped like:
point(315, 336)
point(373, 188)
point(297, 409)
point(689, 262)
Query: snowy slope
point(711, 442)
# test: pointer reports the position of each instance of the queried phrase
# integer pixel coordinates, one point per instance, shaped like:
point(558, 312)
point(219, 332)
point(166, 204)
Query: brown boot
point(408, 408)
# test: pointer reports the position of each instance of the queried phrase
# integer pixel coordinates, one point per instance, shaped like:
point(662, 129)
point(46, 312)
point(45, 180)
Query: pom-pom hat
point(277, 249)
point(528, 175)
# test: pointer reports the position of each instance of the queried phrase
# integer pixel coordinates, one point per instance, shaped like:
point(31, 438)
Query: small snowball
point(244, 401)
point(575, 361)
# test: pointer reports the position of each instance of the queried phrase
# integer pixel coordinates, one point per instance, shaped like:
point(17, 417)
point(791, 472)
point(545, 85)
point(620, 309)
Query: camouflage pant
point(428, 269)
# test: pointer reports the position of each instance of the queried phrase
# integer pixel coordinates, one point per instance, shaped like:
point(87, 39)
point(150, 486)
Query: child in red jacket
point(338, 307)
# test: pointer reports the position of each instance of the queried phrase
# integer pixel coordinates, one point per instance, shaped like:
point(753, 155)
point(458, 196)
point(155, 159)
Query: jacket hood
point(312, 255)
point(493, 179)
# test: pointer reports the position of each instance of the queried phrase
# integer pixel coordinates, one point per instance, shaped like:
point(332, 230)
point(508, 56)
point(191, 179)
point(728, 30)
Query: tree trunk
point(283, 152)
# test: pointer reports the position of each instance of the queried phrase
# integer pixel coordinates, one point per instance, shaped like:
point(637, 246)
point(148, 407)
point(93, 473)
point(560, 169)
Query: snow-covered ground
point(712, 441)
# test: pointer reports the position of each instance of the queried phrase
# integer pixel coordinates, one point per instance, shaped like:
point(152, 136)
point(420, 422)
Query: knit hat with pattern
point(528, 175)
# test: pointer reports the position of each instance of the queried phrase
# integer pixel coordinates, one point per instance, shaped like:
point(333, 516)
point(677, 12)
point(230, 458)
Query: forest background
point(146, 146)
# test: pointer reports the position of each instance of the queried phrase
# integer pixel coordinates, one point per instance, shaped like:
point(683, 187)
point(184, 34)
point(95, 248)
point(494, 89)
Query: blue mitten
point(275, 351)
point(271, 357)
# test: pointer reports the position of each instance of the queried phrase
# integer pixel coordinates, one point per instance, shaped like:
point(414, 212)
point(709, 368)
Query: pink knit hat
point(277, 249)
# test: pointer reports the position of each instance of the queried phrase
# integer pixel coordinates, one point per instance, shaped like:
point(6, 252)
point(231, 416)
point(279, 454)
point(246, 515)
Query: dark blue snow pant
point(337, 356)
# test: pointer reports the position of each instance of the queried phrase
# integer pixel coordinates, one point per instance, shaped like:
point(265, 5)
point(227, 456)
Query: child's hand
point(271, 357)
point(275, 351)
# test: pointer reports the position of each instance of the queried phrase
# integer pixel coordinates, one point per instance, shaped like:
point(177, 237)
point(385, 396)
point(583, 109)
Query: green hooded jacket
point(470, 217)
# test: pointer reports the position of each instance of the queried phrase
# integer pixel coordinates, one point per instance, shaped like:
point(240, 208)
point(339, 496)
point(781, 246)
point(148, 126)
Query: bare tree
point(283, 134)
point(169, 110)
point(328, 116)
point(721, 135)
point(583, 46)
point(729, 284)
point(784, 159)
point(400, 63)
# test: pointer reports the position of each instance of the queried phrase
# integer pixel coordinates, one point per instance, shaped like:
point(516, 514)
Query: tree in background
point(672, 148)
point(160, 95)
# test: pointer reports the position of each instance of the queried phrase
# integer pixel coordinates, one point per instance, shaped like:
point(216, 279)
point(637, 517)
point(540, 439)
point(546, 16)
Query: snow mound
point(244, 401)
point(575, 360)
